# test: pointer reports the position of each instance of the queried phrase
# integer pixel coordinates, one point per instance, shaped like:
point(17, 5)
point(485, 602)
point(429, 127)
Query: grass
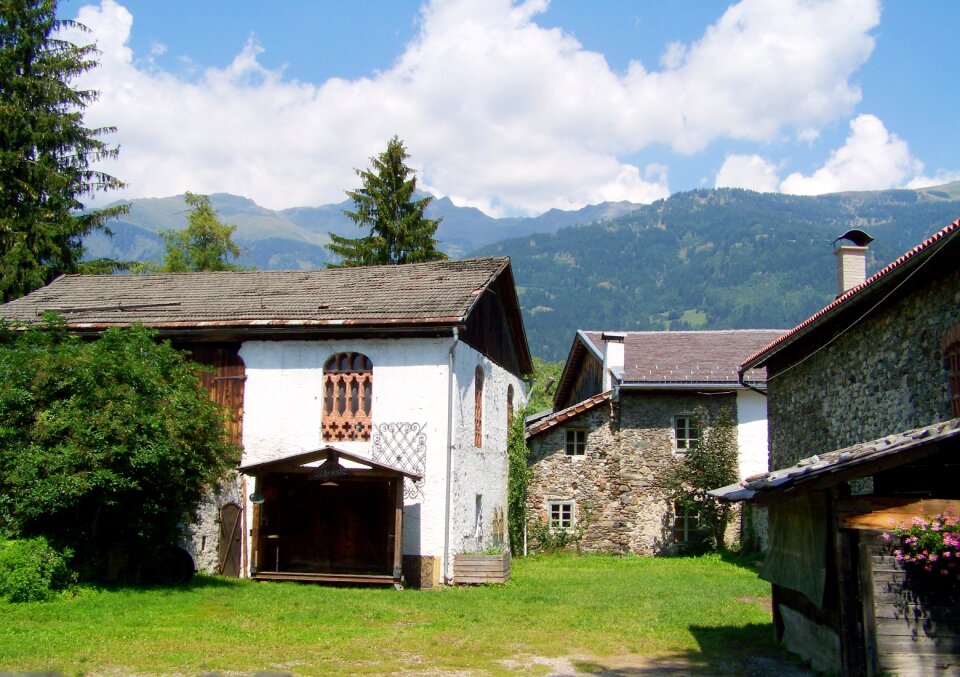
point(710, 611)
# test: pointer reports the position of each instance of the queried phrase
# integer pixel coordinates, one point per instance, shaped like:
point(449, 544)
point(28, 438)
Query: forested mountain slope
point(708, 259)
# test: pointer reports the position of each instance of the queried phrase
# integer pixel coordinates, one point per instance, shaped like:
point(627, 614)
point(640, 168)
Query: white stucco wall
point(282, 417)
point(752, 432)
point(479, 470)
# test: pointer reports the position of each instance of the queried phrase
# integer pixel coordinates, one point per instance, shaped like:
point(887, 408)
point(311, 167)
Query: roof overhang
point(329, 458)
point(543, 423)
point(860, 460)
point(702, 386)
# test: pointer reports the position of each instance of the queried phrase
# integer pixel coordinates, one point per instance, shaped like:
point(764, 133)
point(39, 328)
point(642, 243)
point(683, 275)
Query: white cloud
point(938, 179)
point(748, 171)
point(871, 158)
point(498, 112)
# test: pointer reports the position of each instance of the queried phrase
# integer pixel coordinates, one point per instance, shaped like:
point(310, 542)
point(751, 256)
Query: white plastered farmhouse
point(372, 406)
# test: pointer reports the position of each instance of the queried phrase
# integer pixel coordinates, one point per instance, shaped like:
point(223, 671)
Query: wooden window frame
point(575, 442)
point(685, 522)
point(347, 406)
point(478, 407)
point(509, 409)
point(686, 432)
point(561, 514)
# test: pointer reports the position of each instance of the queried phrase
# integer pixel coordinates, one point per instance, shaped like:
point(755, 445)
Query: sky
point(519, 107)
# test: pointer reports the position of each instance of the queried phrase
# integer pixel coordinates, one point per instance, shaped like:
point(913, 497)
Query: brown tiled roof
point(546, 423)
point(689, 356)
point(825, 470)
point(415, 294)
point(890, 272)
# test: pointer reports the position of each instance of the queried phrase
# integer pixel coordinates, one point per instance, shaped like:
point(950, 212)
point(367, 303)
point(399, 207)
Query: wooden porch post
point(397, 484)
point(852, 653)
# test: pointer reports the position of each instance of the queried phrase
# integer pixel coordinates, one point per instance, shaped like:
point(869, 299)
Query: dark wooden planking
point(225, 383)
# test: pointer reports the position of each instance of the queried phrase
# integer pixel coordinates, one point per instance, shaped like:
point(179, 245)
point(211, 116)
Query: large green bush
point(31, 569)
point(107, 446)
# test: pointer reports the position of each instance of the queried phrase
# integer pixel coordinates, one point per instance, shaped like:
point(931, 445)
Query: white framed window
point(685, 523)
point(686, 432)
point(561, 514)
point(576, 442)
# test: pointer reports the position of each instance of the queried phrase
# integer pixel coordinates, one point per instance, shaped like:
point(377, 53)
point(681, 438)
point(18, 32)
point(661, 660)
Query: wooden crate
point(478, 569)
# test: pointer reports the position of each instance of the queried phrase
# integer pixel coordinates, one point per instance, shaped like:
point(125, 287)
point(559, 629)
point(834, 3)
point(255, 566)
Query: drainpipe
point(446, 520)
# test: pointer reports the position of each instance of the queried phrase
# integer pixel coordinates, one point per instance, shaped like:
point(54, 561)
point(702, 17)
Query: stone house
point(371, 405)
point(627, 406)
point(863, 401)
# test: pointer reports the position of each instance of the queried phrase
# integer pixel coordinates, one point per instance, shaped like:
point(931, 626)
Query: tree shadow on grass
point(197, 583)
point(749, 650)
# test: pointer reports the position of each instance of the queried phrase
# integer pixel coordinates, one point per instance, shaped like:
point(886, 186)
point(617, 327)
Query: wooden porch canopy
point(327, 515)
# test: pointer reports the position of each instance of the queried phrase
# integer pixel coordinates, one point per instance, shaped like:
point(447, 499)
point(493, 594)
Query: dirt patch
point(623, 665)
point(765, 603)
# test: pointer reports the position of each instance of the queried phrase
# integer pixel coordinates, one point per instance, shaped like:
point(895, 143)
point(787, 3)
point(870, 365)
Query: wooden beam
point(398, 529)
point(885, 512)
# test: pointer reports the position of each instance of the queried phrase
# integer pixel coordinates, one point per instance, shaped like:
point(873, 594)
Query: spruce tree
point(205, 244)
point(386, 208)
point(46, 152)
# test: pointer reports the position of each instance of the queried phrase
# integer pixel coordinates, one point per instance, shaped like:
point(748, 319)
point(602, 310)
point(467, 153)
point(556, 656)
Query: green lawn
point(708, 612)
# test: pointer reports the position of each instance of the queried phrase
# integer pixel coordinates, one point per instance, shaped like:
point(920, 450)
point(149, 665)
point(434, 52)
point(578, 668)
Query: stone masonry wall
point(883, 376)
point(620, 501)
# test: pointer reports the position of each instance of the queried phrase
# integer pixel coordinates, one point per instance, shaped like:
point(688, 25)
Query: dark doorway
point(338, 527)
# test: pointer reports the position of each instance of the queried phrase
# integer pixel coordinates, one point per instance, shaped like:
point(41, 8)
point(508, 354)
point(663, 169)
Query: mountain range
point(705, 259)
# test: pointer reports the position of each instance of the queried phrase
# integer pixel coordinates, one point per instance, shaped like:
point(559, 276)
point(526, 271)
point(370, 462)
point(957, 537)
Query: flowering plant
point(929, 543)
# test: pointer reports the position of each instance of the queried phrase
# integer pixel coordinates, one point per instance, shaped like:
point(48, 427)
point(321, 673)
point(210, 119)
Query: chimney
point(612, 356)
point(851, 252)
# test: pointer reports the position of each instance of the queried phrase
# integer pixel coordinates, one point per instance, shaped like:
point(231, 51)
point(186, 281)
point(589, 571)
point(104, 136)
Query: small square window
point(686, 432)
point(685, 523)
point(561, 514)
point(576, 442)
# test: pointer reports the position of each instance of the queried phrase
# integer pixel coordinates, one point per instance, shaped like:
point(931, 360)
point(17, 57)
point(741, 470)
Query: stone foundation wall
point(883, 375)
point(202, 539)
point(621, 505)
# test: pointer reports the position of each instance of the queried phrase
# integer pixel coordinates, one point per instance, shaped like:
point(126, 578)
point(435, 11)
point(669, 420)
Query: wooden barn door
point(230, 535)
point(225, 383)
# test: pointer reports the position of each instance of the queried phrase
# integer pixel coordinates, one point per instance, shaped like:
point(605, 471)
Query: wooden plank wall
point(225, 384)
point(912, 618)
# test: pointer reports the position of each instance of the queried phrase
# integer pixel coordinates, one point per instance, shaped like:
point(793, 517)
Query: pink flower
point(886, 537)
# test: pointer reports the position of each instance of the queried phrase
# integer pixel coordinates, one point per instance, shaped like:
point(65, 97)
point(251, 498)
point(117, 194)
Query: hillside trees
point(106, 446)
point(46, 152)
point(397, 231)
point(205, 244)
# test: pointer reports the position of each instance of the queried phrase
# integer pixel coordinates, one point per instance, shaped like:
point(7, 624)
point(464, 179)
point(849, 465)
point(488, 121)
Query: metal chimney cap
point(858, 237)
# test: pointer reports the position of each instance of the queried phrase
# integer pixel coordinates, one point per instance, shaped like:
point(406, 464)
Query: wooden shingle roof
point(437, 293)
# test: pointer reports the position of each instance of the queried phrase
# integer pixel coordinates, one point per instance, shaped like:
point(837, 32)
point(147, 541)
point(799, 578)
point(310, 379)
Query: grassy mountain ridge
point(708, 259)
point(295, 237)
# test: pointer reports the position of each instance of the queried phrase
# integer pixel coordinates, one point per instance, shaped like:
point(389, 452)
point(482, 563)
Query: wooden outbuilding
point(829, 562)
point(327, 515)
